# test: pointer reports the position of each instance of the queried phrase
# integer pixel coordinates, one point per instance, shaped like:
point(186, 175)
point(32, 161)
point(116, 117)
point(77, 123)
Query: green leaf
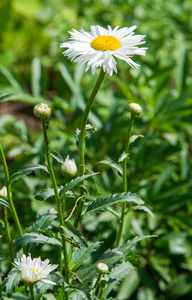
point(129, 285)
point(160, 268)
point(26, 170)
point(112, 165)
point(135, 137)
point(182, 68)
point(110, 258)
point(117, 274)
point(126, 249)
point(11, 79)
point(123, 157)
point(74, 233)
point(57, 156)
point(14, 277)
point(45, 194)
point(67, 77)
point(5, 203)
point(15, 296)
point(80, 256)
point(36, 76)
point(80, 290)
point(103, 203)
point(179, 288)
point(7, 97)
point(139, 207)
point(43, 222)
point(74, 182)
point(30, 238)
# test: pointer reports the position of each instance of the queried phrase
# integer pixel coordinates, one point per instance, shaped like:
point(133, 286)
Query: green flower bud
point(102, 268)
point(69, 168)
point(3, 192)
point(42, 110)
point(135, 109)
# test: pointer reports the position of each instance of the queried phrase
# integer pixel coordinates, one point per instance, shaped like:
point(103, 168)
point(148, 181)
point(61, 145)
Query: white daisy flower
point(99, 47)
point(34, 270)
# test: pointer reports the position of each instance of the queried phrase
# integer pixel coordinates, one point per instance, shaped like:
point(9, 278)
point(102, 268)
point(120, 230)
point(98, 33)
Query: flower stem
point(31, 290)
point(122, 218)
point(9, 195)
point(7, 231)
point(82, 142)
point(58, 203)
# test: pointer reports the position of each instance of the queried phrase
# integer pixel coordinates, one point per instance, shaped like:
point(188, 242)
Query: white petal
point(79, 48)
point(48, 281)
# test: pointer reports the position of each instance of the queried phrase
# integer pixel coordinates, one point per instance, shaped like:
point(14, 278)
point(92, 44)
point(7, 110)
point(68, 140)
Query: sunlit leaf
point(26, 170)
point(103, 203)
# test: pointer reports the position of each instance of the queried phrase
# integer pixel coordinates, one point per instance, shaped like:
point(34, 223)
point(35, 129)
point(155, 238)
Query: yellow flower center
point(35, 271)
point(105, 42)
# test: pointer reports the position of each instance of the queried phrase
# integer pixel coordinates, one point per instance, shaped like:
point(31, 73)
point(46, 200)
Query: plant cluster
point(90, 210)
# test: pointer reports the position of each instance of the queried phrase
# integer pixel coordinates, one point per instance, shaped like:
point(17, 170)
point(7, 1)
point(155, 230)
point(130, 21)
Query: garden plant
point(95, 151)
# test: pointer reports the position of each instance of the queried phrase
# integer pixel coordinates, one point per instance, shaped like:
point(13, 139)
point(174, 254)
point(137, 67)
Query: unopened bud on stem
point(102, 268)
point(42, 110)
point(135, 109)
point(69, 168)
point(3, 192)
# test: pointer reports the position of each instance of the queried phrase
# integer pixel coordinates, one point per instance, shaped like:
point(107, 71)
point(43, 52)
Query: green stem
point(31, 290)
point(9, 195)
point(7, 231)
point(122, 218)
point(102, 290)
point(82, 142)
point(58, 203)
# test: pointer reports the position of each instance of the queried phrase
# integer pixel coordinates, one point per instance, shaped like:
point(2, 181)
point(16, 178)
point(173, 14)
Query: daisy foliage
point(34, 270)
point(99, 47)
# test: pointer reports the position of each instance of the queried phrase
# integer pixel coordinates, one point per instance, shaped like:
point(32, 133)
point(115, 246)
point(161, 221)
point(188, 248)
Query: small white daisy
point(99, 47)
point(34, 270)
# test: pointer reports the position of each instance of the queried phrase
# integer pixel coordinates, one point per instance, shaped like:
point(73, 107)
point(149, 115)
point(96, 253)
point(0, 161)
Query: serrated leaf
point(81, 255)
point(74, 233)
point(26, 170)
point(43, 221)
point(144, 208)
point(112, 165)
point(117, 274)
point(74, 182)
point(30, 238)
point(57, 157)
point(13, 279)
point(5, 203)
point(103, 203)
point(46, 194)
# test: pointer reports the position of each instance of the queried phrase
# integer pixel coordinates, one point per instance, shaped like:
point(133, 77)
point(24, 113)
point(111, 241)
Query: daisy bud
point(3, 192)
point(42, 110)
point(102, 268)
point(69, 168)
point(135, 109)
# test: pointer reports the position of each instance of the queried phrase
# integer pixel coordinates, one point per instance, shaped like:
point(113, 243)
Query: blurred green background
point(32, 65)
